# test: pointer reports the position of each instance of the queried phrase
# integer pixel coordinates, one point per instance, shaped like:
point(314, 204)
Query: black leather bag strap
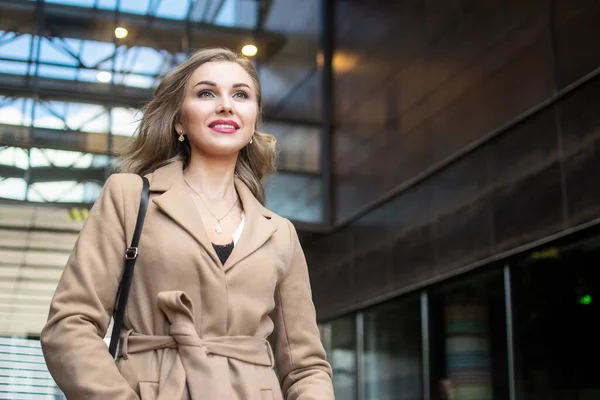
point(131, 255)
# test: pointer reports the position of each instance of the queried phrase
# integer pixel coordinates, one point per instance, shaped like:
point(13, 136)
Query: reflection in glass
point(295, 196)
point(555, 302)
point(392, 351)
point(468, 339)
point(298, 145)
point(342, 357)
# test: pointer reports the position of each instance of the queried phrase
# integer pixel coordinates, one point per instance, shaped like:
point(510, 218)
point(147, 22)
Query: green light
point(585, 300)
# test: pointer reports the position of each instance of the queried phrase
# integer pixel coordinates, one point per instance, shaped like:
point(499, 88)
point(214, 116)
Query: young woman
point(220, 297)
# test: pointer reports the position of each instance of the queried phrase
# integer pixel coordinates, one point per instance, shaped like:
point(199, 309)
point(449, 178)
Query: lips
point(225, 126)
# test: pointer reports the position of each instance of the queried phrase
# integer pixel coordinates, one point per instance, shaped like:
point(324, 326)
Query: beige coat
point(194, 328)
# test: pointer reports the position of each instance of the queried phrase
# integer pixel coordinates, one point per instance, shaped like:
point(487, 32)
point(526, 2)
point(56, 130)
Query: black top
point(223, 251)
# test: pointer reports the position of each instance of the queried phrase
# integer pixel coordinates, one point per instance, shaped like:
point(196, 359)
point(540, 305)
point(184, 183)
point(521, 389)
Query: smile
point(224, 126)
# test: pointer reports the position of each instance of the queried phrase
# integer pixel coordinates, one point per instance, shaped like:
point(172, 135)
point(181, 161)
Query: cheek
point(249, 114)
point(192, 112)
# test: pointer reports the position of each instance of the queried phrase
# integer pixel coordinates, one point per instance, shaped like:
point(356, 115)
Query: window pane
point(17, 47)
point(125, 121)
point(51, 51)
point(134, 6)
point(468, 339)
point(342, 357)
point(173, 9)
point(13, 67)
point(298, 145)
point(392, 351)
point(555, 297)
point(295, 196)
point(51, 71)
point(13, 188)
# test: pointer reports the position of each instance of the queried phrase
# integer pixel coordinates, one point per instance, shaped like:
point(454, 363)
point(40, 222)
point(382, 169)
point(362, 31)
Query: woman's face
point(219, 109)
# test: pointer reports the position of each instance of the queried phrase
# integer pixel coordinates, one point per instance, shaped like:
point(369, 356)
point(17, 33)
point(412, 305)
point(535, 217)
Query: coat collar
point(177, 203)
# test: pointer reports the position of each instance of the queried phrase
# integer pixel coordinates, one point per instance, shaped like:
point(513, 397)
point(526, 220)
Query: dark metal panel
point(579, 118)
point(528, 209)
point(413, 256)
point(464, 235)
point(576, 29)
point(431, 80)
point(372, 274)
point(513, 175)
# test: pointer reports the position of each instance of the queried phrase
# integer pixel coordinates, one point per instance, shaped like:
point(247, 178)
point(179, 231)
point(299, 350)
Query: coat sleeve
point(300, 357)
point(81, 309)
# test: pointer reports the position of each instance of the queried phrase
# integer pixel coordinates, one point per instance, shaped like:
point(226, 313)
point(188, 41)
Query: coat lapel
point(177, 203)
point(259, 226)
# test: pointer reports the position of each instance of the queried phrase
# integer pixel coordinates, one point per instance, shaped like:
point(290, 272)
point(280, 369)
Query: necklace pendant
point(218, 228)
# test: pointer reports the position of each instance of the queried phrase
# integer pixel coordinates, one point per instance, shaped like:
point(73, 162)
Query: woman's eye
point(205, 93)
point(241, 95)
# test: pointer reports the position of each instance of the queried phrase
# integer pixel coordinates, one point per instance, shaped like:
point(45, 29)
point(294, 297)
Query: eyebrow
point(211, 83)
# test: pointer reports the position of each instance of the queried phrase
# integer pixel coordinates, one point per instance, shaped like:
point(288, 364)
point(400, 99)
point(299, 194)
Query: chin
point(222, 149)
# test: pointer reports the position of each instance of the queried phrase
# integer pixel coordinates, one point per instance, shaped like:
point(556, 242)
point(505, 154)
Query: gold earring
point(251, 140)
point(181, 137)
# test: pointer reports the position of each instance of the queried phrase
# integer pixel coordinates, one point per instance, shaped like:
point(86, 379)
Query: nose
point(225, 107)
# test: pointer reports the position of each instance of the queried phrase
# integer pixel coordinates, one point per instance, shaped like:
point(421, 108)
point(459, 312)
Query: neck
point(213, 178)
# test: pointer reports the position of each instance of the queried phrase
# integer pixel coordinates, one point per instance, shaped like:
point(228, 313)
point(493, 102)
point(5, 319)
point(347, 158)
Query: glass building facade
point(520, 329)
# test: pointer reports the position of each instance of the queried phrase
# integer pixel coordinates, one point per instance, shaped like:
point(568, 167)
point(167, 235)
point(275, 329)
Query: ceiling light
point(104, 76)
point(121, 33)
point(249, 50)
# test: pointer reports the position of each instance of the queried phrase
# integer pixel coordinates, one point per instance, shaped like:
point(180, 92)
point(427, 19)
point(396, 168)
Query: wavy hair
point(156, 145)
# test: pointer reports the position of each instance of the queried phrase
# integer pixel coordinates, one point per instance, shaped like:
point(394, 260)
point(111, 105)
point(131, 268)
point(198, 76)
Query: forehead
point(223, 73)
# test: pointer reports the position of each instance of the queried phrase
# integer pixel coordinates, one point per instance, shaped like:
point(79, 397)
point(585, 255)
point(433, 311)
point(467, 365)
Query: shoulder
point(122, 186)
point(122, 180)
point(284, 227)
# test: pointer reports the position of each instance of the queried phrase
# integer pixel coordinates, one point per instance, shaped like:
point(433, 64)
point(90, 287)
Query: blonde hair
point(156, 144)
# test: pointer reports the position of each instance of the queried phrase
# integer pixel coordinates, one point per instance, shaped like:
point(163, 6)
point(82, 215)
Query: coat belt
point(200, 365)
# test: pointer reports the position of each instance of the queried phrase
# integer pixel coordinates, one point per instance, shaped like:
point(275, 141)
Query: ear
point(178, 127)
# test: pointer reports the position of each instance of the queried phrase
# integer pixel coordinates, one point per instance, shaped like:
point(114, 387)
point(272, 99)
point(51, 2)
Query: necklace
point(218, 228)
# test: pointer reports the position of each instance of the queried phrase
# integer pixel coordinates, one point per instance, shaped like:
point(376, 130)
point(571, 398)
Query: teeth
point(222, 126)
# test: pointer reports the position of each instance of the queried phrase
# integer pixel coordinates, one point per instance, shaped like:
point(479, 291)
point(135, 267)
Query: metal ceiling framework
point(60, 127)
point(55, 22)
point(58, 20)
